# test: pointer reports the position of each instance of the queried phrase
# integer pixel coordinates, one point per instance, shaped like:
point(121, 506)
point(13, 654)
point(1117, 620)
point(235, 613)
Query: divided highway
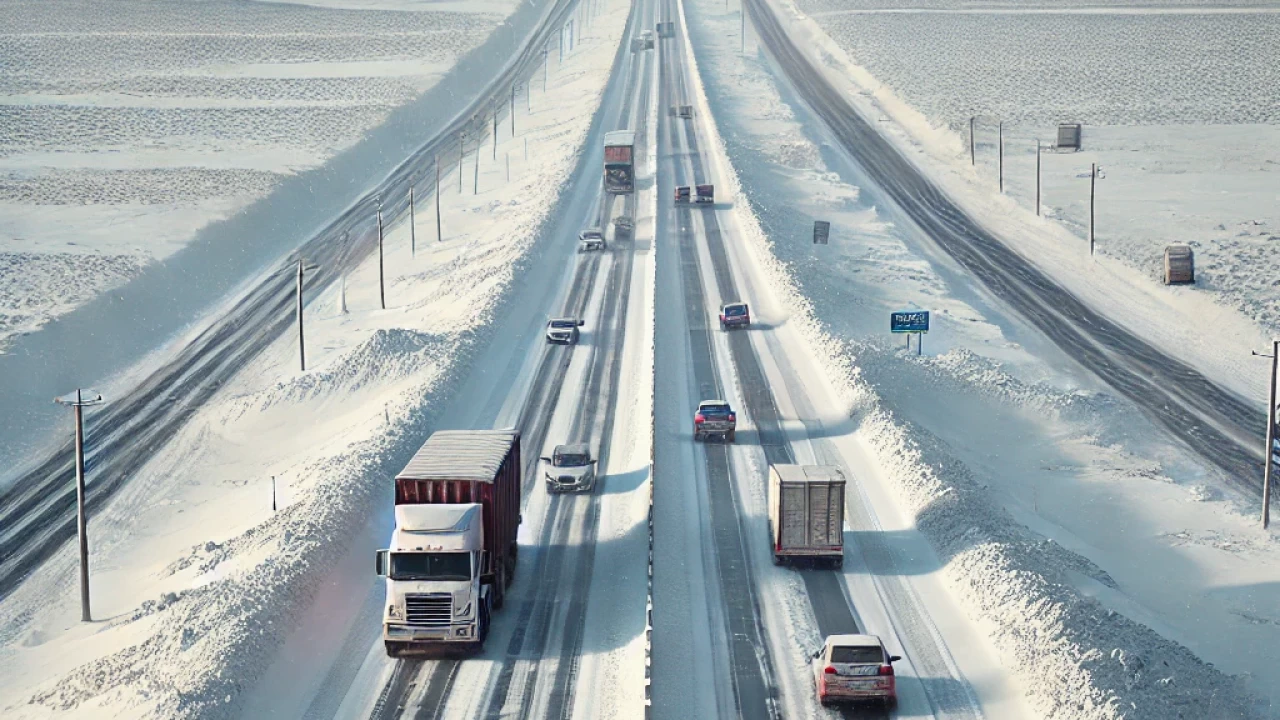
point(1214, 422)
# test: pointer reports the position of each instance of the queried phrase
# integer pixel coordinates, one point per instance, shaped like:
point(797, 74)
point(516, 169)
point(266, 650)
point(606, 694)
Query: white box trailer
point(806, 512)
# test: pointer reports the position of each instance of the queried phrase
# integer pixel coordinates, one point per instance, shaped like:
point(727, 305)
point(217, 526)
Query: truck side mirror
point(380, 562)
point(581, 323)
point(545, 459)
point(894, 658)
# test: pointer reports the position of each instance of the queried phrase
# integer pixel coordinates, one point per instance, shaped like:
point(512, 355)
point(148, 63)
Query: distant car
point(715, 418)
point(592, 239)
point(563, 330)
point(855, 668)
point(734, 314)
point(623, 227)
point(572, 469)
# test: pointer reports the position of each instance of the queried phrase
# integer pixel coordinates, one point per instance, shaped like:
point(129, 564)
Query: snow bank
point(200, 583)
point(1073, 656)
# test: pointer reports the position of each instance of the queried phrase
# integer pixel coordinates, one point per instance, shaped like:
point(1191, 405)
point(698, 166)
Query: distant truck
point(806, 512)
point(619, 166)
point(453, 550)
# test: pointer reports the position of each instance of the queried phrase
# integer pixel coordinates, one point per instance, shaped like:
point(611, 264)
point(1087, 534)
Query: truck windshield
point(563, 323)
point(431, 566)
point(714, 410)
point(571, 460)
point(735, 310)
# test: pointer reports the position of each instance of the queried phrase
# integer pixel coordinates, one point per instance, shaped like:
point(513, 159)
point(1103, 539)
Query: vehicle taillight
point(830, 670)
point(698, 418)
point(733, 417)
point(886, 670)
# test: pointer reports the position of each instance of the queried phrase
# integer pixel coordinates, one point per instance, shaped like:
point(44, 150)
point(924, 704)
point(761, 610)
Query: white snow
point(129, 126)
point(997, 436)
point(197, 583)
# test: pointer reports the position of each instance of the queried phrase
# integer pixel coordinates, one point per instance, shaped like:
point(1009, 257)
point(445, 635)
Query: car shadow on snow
point(621, 483)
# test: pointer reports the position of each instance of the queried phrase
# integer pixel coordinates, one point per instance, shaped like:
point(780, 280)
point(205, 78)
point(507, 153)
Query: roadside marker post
point(78, 402)
point(1272, 448)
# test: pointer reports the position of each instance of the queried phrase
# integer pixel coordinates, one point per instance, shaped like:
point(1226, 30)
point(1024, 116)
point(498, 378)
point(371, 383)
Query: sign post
point(911, 322)
point(821, 232)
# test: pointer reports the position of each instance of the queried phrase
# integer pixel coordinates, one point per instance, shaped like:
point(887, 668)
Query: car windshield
point(563, 323)
point(571, 460)
point(715, 409)
point(592, 235)
point(857, 655)
point(735, 310)
point(430, 566)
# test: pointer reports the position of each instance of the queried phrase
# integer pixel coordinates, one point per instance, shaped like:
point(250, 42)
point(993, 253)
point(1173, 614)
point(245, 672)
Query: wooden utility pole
point(972, 155)
point(1001, 143)
point(382, 287)
point(1270, 450)
point(513, 112)
point(78, 402)
point(302, 345)
point(413, 232)
point(462, 151)
point(475, 188)
point(1093, 181)
point(439, 237)
point(495, 130)
point(1037, 177)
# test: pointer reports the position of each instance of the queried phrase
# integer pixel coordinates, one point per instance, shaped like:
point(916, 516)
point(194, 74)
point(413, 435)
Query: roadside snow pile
point(1076, 659)
point(200, 580)
point(126, 127)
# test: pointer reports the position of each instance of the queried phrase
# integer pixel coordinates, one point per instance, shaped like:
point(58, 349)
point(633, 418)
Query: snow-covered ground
point(1090, 550)
point(125, 127)
point(197, 582)
point(1167, 92)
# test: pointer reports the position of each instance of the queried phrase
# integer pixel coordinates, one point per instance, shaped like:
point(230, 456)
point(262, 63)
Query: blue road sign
point(909, 321)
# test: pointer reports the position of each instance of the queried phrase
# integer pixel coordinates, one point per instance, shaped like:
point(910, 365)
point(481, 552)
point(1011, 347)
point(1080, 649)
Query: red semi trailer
point(453, 551)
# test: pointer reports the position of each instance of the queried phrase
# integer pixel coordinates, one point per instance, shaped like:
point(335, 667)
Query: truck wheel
point(697, 436)
point(499, 588)
point(729, 436)
point(838, 563)
point(394, 649)
point(777, 559)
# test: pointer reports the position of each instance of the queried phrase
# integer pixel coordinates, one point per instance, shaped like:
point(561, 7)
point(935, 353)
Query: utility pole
point(972, 156)
point(78, 402)
point(513, 113)
point(1037, 177)
point(495, 130)
point(475, 188)
point(302, 345)
point(1001, 143)
point(1093, 182)
point(413, 232)
point(382, 287)
point(462, 151)
point(1270, 450)
point(439, 237)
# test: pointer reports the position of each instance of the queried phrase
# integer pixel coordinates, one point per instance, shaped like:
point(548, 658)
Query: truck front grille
point(431, 610)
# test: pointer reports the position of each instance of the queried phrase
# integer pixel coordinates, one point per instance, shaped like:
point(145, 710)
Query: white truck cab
point(432, 570)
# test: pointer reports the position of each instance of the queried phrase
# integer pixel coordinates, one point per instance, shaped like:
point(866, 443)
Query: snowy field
point(1179, 109)
point(1107, 566)
point(127, 126)
point(198, 584)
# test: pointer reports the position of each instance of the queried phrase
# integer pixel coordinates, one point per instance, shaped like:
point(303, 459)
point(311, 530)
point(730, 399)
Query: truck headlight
point(394, 612)
point(465, 611)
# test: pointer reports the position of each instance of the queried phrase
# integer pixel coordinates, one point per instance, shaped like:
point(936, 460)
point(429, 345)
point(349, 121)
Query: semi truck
point(806, 513)
point(453, 550)
point(619, 167)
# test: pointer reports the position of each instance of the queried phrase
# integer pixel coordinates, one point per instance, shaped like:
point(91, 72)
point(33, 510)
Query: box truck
point(806, 512)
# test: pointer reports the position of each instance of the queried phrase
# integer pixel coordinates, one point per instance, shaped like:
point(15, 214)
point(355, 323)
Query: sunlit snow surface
point(127, 126)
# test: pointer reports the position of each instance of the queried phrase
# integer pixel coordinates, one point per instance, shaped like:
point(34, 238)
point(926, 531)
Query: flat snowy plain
point(1126, 528)
point(125, 127)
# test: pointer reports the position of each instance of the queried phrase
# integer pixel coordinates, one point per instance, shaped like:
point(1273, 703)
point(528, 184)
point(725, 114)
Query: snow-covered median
point(196, 580)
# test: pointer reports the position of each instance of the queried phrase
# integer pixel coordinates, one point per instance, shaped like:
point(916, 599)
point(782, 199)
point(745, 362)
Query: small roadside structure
point(1179, 265)
point(1069, 136)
